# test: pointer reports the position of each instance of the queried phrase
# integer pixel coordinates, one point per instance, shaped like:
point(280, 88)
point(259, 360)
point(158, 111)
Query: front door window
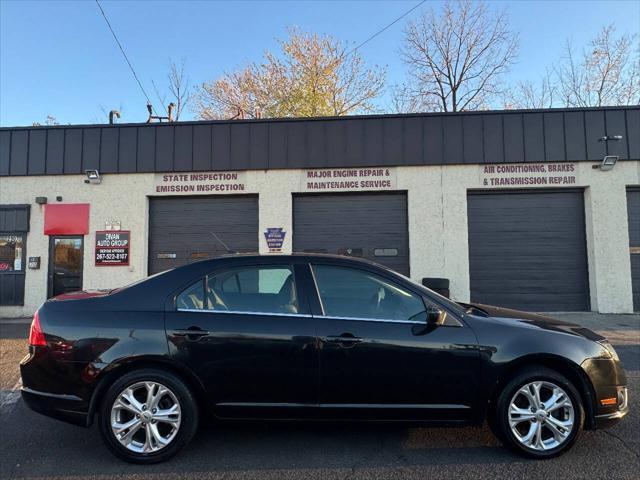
point(350, 293)
point(65, 270)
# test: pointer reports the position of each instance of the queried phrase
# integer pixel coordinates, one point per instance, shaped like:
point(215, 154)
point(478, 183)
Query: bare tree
point(313, 75)
point(606, 72)
point(49, 121)
point(529, 94)
point(179, 87)
point(457, 57)
point(178, 90)
point(404, 100)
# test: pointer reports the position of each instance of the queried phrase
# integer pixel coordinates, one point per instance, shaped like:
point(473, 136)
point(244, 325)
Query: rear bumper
point(67, 408)
point(54, 388)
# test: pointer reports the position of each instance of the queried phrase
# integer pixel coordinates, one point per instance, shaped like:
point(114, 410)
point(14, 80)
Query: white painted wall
point(438, 239)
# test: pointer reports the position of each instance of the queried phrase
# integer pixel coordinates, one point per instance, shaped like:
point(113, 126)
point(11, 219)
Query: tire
point(561, 422)
point(158, 432)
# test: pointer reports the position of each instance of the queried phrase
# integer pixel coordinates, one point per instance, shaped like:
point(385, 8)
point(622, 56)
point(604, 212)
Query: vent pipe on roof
point(112, 114)
point(159, 118)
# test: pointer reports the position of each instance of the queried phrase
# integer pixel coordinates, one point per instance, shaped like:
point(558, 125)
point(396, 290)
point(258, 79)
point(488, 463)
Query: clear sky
point(58, 57)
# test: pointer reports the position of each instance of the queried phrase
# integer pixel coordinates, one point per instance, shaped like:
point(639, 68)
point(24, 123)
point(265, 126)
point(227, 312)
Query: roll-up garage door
point(368, 225)
point(527, 250)
point(182, 229)
point(633, 210)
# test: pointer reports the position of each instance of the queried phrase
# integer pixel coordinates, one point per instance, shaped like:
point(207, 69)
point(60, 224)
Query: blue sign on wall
point(274, 238)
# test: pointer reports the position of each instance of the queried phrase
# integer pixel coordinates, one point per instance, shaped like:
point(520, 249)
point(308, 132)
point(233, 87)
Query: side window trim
point(374, 320)
point(312, 269)
point(360, 319)
point(240, 312)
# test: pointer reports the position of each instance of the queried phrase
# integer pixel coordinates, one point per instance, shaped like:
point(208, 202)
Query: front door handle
point(192, 333)
point(345, 340)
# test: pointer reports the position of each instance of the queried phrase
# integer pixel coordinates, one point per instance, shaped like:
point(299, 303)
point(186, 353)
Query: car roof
point(310, 255)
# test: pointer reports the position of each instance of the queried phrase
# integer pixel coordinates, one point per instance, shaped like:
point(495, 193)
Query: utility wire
point(124, 54)
point(385, 28)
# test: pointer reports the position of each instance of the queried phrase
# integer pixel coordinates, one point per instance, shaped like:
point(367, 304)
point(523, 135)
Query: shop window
point(14, 225)
point(11, 253)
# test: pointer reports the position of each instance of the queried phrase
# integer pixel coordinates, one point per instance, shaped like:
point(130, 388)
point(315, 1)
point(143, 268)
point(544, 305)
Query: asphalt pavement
point(33, 446)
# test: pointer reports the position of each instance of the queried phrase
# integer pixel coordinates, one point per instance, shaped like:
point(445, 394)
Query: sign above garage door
point(348, 179)
point(528, 174)
point(200, 182)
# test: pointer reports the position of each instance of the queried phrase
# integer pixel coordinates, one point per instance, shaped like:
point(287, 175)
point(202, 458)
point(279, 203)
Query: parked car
point(311, 337)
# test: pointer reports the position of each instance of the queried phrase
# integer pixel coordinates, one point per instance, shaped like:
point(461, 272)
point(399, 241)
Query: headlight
point(610, 350)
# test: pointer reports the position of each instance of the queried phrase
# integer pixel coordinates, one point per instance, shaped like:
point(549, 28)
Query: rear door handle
point(191, 332)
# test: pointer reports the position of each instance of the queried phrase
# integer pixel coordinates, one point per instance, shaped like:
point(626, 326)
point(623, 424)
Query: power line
point(124, 54)
point(385, 28)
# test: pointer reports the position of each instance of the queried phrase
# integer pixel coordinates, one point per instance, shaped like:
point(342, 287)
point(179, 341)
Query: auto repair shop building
point(513, 207)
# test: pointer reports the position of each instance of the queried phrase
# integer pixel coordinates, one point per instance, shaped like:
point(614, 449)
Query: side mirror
point(436, 316)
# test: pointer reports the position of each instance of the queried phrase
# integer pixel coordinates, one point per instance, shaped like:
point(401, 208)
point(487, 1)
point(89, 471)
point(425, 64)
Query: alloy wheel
point(145, 417)
point(541, 415)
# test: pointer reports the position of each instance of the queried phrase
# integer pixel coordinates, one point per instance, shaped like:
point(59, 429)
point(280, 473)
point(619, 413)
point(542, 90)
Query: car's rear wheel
point(539, 413)
point(147, 416)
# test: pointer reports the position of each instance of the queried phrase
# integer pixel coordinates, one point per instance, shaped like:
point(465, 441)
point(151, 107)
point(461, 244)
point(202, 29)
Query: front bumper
point(607, 420)
point(610, 394)
point(67, 408)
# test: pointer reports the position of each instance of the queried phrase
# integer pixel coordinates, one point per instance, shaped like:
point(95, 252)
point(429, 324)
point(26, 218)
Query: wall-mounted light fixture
point(41, 200)
point(607, 163)
point(93, 177)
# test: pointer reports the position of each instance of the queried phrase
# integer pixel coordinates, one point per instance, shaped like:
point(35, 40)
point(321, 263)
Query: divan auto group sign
point(112, 248)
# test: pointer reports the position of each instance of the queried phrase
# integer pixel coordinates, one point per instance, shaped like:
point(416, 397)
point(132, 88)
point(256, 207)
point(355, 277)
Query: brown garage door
point(527, 250)
point(181, 228)
point(368, 225)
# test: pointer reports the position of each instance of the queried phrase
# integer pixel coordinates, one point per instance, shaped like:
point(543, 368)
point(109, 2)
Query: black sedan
point(310, 337)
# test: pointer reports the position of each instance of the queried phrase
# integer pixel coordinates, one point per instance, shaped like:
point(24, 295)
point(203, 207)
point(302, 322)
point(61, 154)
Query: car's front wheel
point(147, 416)
point(539, 413)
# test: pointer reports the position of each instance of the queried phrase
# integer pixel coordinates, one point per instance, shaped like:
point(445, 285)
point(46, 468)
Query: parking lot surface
point(33, 446)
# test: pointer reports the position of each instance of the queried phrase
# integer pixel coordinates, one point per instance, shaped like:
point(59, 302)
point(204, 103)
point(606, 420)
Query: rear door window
point(192, 297)
point(264, 289)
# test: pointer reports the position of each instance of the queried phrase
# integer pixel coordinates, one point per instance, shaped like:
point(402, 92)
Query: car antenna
point(224, 245)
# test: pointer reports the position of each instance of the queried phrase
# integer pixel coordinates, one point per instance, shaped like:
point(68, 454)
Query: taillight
point(36, 335)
